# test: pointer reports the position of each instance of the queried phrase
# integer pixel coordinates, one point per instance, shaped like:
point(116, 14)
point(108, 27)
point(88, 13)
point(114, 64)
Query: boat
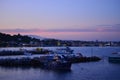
point(114, 57)
point(56, 62)
point(68, 53)
point(65, 50)
point(27, 53)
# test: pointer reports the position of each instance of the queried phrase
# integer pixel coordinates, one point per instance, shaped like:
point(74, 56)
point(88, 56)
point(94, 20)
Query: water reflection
point(24, 73)
point(102, 70)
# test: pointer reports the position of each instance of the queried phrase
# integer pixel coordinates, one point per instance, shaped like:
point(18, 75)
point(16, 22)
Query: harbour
point(100, 70)
point(59, 59)
point(59, 40)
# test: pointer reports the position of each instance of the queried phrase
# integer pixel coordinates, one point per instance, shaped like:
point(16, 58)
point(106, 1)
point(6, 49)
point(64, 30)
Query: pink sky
point(62, 19)
point(71, 35)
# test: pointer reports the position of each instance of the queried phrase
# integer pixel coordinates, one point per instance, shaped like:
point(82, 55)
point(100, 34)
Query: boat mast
point(91, 51)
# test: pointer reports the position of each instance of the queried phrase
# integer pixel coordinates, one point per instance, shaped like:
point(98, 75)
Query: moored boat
point(55, 62)
point(114, 57)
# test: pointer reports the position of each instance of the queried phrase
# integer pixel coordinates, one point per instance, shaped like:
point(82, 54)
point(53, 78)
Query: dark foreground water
point(102, 70)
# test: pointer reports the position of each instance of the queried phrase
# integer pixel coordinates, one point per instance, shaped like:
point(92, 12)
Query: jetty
point(59, 59)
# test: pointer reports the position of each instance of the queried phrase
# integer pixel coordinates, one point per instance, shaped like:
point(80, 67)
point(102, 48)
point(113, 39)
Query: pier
point(43, 58)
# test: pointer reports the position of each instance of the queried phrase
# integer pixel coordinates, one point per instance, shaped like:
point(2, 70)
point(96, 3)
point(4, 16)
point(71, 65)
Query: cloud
point(98, 28)
point(109, 28)
point(46, 30)
point(114, 25)
point(19, 30)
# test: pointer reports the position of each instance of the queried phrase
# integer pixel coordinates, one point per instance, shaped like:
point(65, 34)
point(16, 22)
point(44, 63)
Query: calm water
point(102, 70)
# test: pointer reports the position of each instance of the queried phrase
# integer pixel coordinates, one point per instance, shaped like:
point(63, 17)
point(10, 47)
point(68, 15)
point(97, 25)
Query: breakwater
point(83, 59)
point(14, 53)
point(29, 60)
point(36, 61)
point(21, 62)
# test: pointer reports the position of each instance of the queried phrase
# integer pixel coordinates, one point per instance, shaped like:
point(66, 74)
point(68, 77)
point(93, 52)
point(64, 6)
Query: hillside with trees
point(7, 40)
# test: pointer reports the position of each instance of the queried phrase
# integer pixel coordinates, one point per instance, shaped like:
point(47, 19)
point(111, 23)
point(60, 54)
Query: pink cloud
point(104, 32)
point(98, 28)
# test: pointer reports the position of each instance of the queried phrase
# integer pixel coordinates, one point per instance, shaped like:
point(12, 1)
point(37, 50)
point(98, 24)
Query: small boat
point(65, 50)
point(114, 57)
point(68, 53)
point(55, 62)
point(26, 52)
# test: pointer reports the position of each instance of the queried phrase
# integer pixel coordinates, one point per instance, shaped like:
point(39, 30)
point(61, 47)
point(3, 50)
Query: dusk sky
point(62, 19)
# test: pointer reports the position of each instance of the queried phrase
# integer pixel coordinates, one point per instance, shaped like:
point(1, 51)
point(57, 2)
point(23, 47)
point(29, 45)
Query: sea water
point(101, 70)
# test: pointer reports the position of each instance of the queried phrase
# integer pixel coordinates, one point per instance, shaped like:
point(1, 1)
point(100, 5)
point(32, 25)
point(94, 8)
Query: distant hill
point(37, 37)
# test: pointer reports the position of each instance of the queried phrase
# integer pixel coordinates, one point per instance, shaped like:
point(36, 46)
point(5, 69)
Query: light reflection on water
point(102, 70)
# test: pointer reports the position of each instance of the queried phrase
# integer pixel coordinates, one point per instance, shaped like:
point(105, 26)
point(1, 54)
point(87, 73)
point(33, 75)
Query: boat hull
point(57, 65)
point(114, 59)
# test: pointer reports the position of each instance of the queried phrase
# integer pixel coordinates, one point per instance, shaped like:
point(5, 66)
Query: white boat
point(114, 57)
point(67, 52)
point(55, 62)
